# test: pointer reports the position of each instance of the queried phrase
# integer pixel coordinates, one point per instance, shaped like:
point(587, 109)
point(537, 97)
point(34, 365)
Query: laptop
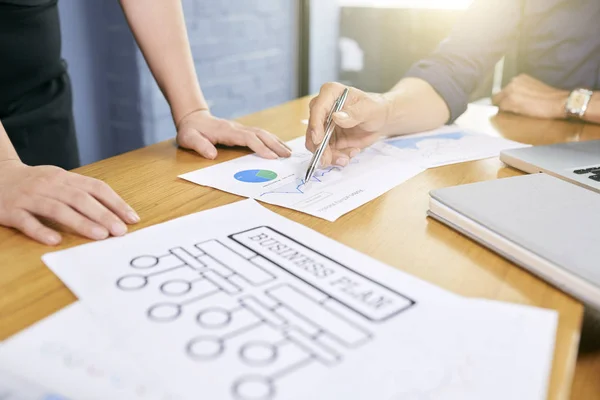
point(541, 223)
point(576, 162)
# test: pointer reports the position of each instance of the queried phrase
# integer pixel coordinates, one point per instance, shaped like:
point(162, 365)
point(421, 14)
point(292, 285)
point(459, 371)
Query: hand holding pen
point(360, 122)
point(329, 127)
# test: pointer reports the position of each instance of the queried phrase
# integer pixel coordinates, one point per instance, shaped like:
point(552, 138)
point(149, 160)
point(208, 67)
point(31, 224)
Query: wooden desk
point(399, 233)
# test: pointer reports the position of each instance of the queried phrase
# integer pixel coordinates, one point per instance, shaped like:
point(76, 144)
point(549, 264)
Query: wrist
point(201, 110)
point(560, 106)
point(10, 162)
point(182, 109)
point(393, 104)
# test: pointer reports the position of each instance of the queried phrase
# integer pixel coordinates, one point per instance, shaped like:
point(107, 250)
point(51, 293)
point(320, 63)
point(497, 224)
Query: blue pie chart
point(255, 176)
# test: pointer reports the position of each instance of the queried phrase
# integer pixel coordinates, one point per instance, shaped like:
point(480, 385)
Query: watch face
point(578, 101)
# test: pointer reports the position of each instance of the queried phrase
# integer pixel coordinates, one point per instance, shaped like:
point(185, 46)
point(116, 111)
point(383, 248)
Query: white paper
point(498, 351)
point(240, 303)
point(69, 354)
point(450, 145)
point(14, 387)
point(332, 192)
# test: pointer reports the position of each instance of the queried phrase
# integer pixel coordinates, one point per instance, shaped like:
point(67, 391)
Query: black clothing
point(35, 92)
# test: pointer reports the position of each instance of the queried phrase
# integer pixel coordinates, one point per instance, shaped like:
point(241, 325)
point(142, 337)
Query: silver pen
point(329, 128)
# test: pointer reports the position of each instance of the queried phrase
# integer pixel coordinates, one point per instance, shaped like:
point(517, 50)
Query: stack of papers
point(335, 191)
point(239, 303)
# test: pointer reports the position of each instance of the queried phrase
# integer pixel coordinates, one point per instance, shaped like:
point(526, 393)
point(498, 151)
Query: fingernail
point(286, 150)
point(99, 233)
point(53, 239)
point(133, 217)
point(354, 153)
point(342, 115)
point(118, 229)
point(342, 162)
point(273, 156)
point(212, 154)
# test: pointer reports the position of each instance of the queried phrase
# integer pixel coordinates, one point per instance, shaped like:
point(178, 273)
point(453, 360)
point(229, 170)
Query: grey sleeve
point(478, 41)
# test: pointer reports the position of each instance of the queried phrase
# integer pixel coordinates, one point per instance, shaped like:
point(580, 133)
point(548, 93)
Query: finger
point(30, 226)
point(319, 110)
point(192, 139)
point(252, 141)
point(308, 143)
point(498, 97)
point(354, 138)
point(284, 144)
point(273, 143)
point(91, 208)
point(326, 158)
point(105, 195)
point(342, 157)
point(529, 81)
point(65, 215)
point(512, 104)
point(349, 118)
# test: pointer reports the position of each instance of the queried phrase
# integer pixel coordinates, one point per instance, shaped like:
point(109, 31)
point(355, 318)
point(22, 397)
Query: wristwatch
point(577, 103)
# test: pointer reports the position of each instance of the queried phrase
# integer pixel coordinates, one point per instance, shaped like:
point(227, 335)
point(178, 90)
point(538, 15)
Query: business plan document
point(240, 303)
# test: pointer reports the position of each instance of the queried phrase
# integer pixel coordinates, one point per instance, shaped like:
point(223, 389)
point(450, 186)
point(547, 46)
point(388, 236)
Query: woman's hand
point(86, 205)
point(358, 125)
point(201, 132)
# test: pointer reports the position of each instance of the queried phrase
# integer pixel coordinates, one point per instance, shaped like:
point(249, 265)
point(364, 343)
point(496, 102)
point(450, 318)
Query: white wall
point(324, 36)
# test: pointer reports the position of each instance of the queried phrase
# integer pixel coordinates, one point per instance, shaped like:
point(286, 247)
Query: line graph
point(330, 193)
point(297, 187)
point(322, 176)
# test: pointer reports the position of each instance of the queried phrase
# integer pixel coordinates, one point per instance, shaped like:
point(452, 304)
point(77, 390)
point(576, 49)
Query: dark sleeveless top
point(29, 49)
point(35, 92)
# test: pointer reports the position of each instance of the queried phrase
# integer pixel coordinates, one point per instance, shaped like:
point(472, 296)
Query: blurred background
point(249, 55)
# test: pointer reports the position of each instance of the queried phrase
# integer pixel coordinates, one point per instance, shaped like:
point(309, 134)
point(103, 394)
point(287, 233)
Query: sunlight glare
point(427, 4)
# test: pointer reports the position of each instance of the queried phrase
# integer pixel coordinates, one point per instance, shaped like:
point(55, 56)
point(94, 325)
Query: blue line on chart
point(298, 189)
point(409, 143)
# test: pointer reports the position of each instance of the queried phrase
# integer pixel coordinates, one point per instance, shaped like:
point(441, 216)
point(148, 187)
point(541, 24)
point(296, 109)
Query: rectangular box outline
point(244, 277)
point(411, 304)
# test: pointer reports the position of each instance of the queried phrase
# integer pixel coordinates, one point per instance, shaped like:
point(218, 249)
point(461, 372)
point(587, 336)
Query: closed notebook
point(546, 225)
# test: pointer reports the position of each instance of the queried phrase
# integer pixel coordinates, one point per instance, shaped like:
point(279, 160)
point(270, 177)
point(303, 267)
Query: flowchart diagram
point(237, 292)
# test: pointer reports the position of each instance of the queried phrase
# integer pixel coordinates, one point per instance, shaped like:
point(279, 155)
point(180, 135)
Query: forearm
point(436, 89)
point(159, 28)
point(592, 114)
point(7, 151)
point(415, 107)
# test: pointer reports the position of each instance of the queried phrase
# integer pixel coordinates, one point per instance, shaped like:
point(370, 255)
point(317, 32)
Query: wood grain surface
point(392, 228)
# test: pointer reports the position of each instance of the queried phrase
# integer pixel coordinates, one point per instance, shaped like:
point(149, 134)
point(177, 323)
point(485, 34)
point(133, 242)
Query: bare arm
point(159, 28)
point(415, 107)
point(434, 92)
